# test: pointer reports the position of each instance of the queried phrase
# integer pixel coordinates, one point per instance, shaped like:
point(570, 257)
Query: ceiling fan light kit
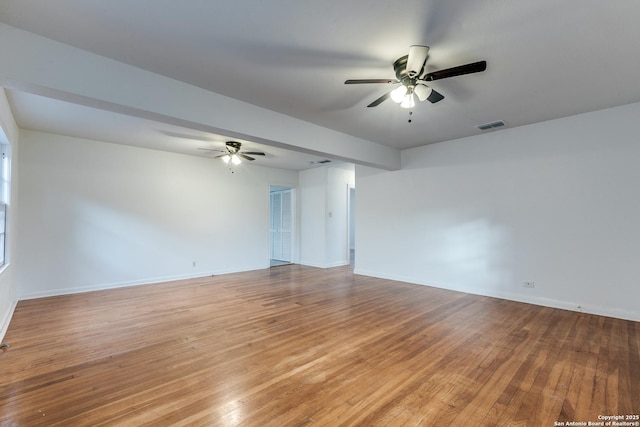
point(397, 95)
point(408, 101)
point(231, 158)
point(412, 77)
point(422, 92)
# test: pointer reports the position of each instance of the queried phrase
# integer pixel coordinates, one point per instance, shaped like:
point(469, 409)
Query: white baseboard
point(147, 281)
point(329, 265)
point(545, 302)
point(338, 264)
point(4, 325)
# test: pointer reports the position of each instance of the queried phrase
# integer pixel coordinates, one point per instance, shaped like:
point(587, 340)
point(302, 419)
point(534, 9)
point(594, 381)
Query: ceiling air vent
point(492, 125)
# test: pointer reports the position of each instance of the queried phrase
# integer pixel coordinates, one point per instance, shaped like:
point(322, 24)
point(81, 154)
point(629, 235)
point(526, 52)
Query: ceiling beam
point(38, 65)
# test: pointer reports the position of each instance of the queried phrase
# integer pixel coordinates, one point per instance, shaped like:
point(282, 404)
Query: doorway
point(281, 225)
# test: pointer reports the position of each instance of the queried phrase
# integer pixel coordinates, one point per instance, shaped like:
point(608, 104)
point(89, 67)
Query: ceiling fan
point(232, 153)
point(411, 75)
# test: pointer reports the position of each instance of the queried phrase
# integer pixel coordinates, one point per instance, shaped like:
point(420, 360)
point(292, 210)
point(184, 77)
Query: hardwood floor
point(294, 346)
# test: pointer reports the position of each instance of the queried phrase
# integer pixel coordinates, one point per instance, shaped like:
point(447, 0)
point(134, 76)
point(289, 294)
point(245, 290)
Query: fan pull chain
point(410, 114)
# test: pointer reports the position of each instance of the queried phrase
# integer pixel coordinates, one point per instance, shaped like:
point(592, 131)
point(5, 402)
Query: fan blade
point(460, 70)
point(244, 156)
point(209, 149)
point(361, 81)
point(221, 155)
point(435, 97)
point(380, 100)
point(415, 61)
point(253, 153)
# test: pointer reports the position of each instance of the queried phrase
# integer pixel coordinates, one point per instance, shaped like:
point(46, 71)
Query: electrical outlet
point(194, 263)
point(529, 284)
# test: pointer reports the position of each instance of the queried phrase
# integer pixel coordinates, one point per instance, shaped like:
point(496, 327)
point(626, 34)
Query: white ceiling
point(545, 59)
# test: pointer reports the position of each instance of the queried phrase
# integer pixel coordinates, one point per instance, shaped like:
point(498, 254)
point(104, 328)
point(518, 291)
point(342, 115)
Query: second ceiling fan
point(232, 153)
point(410, 73)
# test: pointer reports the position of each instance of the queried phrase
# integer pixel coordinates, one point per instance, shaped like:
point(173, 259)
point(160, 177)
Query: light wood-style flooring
point(294, 346)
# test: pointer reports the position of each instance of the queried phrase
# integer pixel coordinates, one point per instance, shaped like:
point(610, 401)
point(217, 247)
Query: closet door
point(281, 229)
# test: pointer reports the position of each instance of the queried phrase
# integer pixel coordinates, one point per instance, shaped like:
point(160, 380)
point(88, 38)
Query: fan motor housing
point(234, 145)
point(400, 68)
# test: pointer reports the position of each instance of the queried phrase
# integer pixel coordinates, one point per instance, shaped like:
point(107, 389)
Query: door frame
point(294, 221)
point(351, 190)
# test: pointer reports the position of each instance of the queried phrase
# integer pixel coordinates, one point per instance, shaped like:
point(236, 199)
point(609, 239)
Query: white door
point(281, 228)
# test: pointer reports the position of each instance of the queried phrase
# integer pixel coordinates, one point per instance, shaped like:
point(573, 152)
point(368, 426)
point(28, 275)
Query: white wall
point(324, 215)
point(8, 290)
point(98, 215)
point(556, 203)
point(313, 199)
